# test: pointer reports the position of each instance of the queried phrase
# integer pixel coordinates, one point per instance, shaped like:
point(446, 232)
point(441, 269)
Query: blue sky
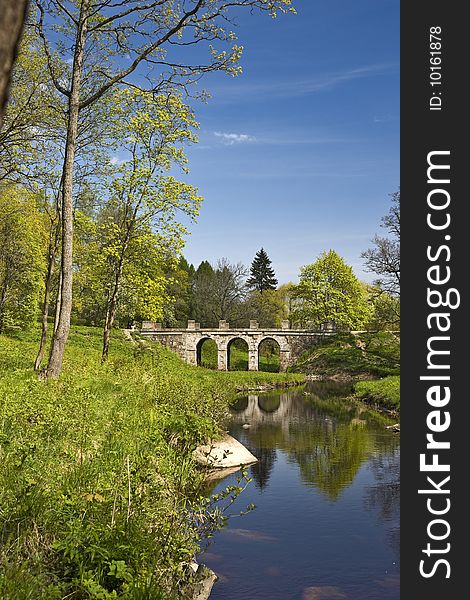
point(300, 153)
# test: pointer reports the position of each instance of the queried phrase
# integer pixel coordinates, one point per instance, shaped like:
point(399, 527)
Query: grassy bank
point(99, 495)
point(346, 355)
point(382, 392)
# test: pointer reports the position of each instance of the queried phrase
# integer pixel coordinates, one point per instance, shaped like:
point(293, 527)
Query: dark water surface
point(326, 491)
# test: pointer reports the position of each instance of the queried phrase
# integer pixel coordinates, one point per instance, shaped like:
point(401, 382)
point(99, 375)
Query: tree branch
point(142, 56)
point(40, 29)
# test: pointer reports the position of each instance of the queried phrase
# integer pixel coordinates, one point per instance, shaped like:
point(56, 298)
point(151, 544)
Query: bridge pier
point(191, 356)
point(252, 359)
point(284, 360)
point(222, 359)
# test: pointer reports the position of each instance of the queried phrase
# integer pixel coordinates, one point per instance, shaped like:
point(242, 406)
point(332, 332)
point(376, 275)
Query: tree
point(286, 293)
point(384, 258)
point(179, 309)
point(385, 313)
point(12, 17)
point(268, 308)
point(53, 226)
point(143, 198)
point(33, 123)
point(329, 292)
point(219, 293)
point(22, 257)
point(107, 43)
point(262, 274)
point(93, 173)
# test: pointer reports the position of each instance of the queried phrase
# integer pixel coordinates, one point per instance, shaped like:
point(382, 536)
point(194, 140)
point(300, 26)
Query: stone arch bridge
point(188, 342)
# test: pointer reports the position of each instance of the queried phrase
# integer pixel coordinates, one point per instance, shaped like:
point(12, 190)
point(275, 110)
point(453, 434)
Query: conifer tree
point(262, 274)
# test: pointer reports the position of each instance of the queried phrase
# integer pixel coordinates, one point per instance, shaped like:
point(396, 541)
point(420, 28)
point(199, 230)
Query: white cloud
point(115, 160)
point(229, 139)
point(383, 118)
point(298, 87)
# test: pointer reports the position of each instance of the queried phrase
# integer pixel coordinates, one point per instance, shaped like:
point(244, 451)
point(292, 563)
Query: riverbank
point(382, 393)
point(370, 360)
point(347, 356)
point(99, 491)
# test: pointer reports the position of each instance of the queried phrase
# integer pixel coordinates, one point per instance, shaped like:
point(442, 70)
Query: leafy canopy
point(329, 292)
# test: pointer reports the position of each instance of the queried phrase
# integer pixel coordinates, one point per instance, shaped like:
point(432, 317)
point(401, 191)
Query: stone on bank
point(222, 454)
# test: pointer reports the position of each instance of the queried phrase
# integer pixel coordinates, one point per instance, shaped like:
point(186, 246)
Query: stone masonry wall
point(292, 343)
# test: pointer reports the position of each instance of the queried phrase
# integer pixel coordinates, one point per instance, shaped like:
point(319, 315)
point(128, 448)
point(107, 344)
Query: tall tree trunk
point(113, 300)
point(58, 302)
point(3, 297)
point(54, 239)
point(12, 16)
point(61, 334)
point(109, 322)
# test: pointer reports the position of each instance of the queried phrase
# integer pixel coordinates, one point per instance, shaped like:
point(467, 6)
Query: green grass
point(372, 354)
point(384, 392)
point(99, 495)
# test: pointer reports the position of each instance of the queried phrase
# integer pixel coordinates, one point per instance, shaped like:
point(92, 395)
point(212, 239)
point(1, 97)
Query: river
point(326, 491)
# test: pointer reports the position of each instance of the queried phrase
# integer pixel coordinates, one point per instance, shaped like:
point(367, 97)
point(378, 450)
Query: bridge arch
point(284, 350)
point(209, 358)
point(269, 403)
point(237, 347)
point(269, 355)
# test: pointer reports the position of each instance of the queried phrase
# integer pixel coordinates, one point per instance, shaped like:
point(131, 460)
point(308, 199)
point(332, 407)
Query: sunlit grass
point(97, 483)
point(385, 392)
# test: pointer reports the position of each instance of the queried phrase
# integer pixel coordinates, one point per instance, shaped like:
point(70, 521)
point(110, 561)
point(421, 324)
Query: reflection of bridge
point(188, 342)
point(280, 410)
point(260, 409)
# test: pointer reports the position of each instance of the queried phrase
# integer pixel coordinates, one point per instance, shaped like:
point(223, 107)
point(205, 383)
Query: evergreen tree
point(262, 274)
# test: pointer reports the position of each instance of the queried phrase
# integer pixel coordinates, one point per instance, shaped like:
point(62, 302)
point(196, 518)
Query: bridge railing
point(153, 327)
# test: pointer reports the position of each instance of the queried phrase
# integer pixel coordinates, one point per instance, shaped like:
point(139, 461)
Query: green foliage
point(267, 307)
point(22, 257)
point(219, 293)
point(384, 392)
point(269, 356)
point(385, 314)
point(127, 252)
point(329, 293)
point(178, 309)
point(374, 354)
point(31, 121)
point(262, 274)
point(99, 493)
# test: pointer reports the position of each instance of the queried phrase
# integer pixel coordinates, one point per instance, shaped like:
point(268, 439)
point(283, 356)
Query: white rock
point(227, 452)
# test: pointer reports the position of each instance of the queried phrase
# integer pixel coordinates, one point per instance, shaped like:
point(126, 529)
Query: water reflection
point(326, 437)
point(326, 489)
point(384, 495)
